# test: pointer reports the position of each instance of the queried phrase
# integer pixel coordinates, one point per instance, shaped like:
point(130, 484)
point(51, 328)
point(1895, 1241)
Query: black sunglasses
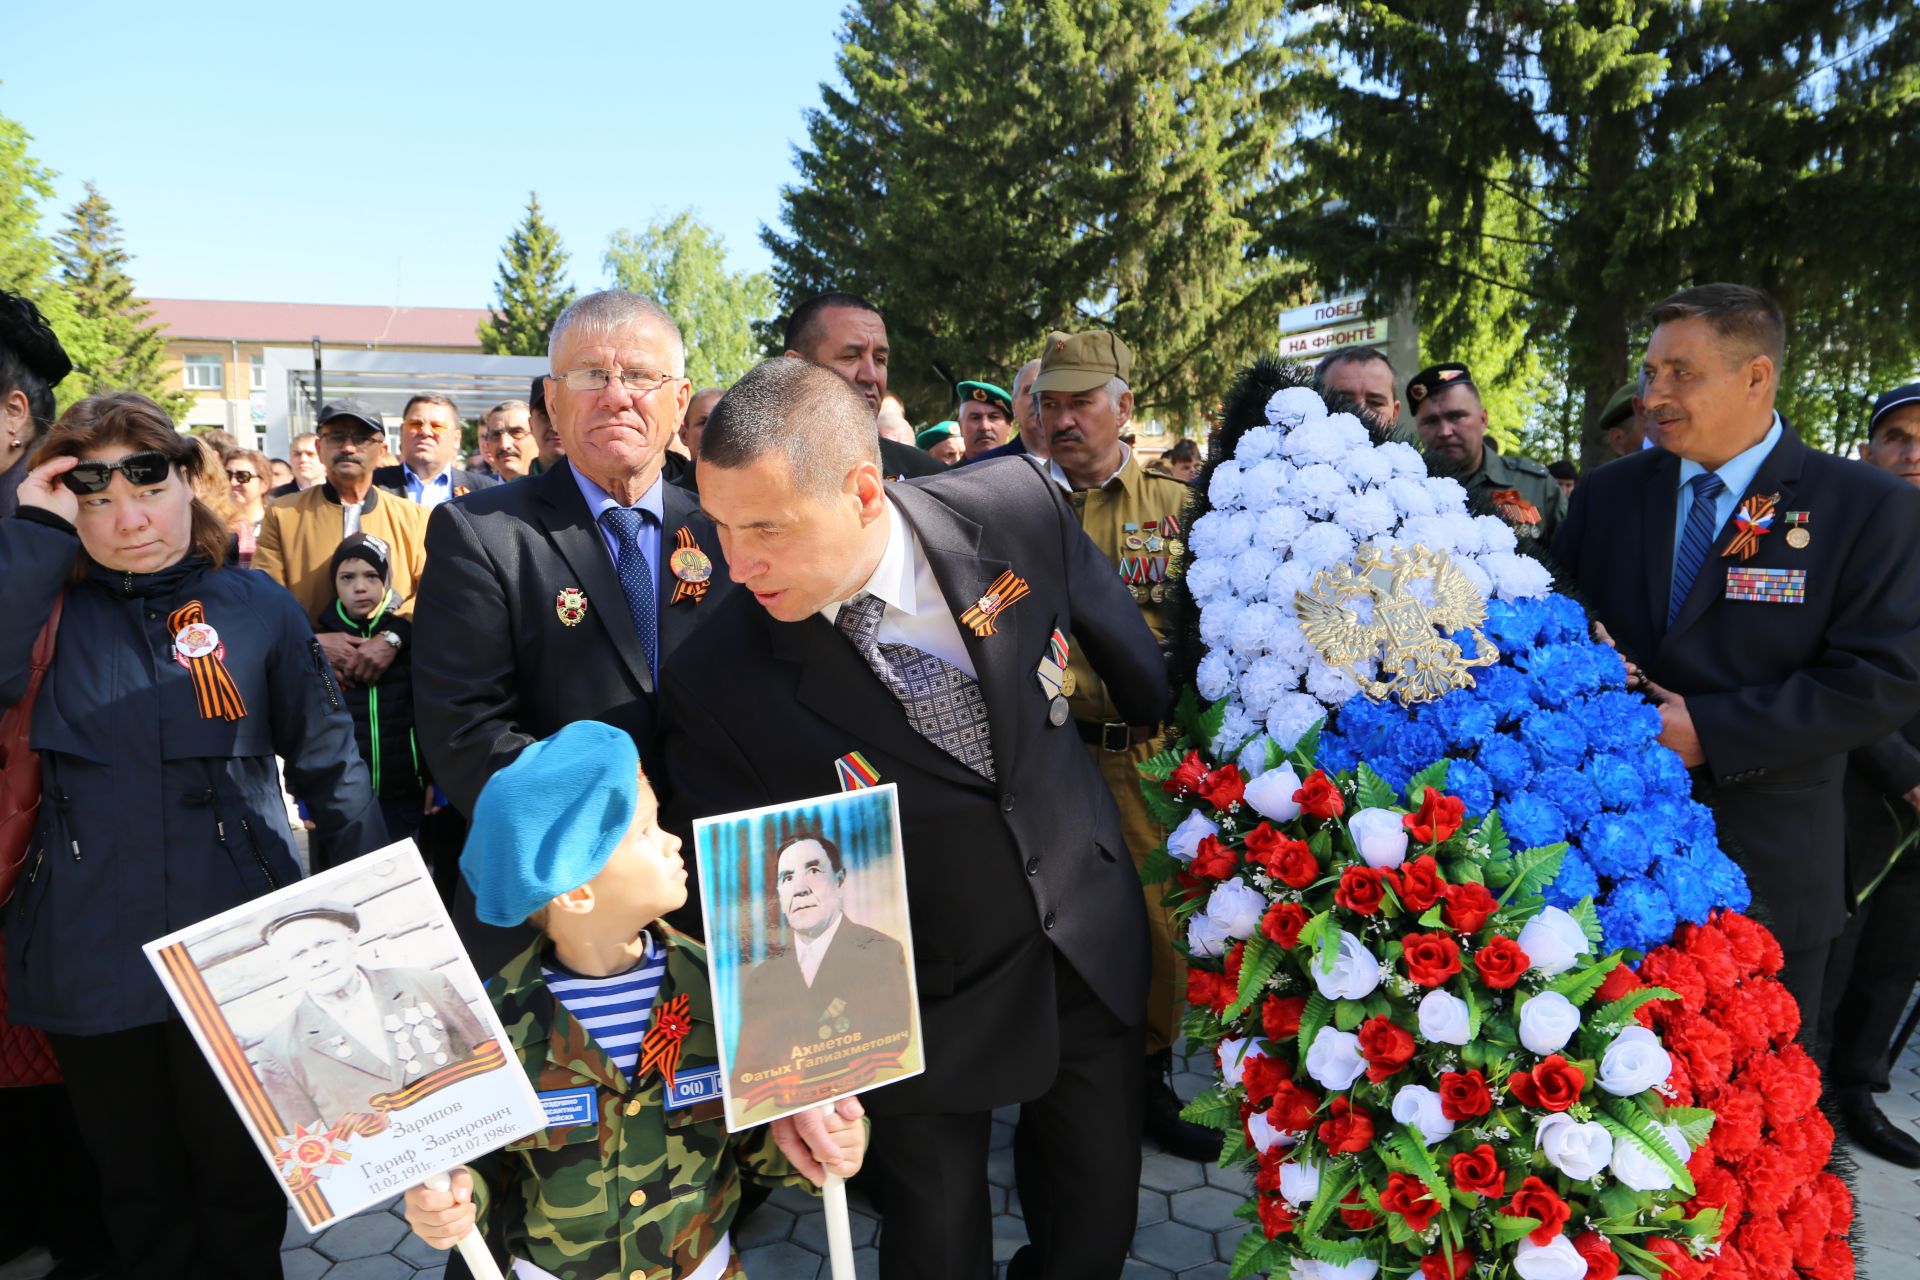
point(140, 469)
point(241, 477)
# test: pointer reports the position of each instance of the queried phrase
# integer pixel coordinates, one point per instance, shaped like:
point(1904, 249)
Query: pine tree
point(681, 263)
point(990, 173)
point(93, 271)
point(531, 291)
point(1540, 174)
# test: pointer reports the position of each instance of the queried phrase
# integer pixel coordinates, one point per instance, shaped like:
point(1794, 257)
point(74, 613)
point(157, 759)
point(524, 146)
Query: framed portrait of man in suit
point(810, 951)
point(350, 1032)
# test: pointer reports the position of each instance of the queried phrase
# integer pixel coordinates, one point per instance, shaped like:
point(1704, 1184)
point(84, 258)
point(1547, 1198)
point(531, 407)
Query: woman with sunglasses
point(174, 684)
point(249, 477)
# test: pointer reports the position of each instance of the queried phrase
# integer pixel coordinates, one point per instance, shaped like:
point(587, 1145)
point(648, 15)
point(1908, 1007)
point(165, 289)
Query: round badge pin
point(1057, 712)
point(196, 640)
point(1068, 682)
point(690, 564)
point(571, 606)
point(1798, 537)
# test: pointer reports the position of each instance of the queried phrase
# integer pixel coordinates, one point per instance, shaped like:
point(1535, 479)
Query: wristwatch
point(391, 637)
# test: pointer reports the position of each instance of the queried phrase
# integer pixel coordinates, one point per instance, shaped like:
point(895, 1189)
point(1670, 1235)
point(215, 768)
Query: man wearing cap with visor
point(1137, 520)
point(1453, 430)
point(1621, 424)
point(985, 417)
point(32, 363)
point(299, 533)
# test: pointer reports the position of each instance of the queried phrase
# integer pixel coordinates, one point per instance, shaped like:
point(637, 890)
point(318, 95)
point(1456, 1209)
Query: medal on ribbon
point(660, 1046)
point(571, 605)
point(1132, 538)
point(1053, 668)
point(198, 648)
point(1005, 591)
point(1514, 508)
point(691, 568)
point(1797, 535)
point(1753, 521)
point(855, 773)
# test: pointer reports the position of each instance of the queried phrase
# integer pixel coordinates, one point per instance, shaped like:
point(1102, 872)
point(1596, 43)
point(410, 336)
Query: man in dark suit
point(847, 334)
point(830, 978)
point(557, 598)
point(429, 446)
point(1765, 590)
point(912, 623)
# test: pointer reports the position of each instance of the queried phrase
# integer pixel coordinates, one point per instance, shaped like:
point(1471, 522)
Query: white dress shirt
point(811, 951)
point(916, 613)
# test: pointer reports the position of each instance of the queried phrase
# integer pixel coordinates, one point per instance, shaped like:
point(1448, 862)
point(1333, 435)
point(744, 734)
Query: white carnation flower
point(1322, 546)
point(1266, 679)
point(1366, 515)
point(1448, 495)
point(1253, 757)
point(1314, 442)
point(1319, 489)
point(1291, 406)
point(1254, 628)
point(1212, 534)
point(1278, 527)
point(1288, 581)
point(1250, 570)
point(1260, 484)
point(1290, 716)
point(1409, 497)
point(1477, 576)
point(1330, 684)
point(1517, 577)
point(1257, 443)
point(1223, 490)
point(1404, 458)
point(1213, 678)
point(1208, 581)
point(1217, 620)
point(1365, 467)
point(1234, 729)
point(1496, 535)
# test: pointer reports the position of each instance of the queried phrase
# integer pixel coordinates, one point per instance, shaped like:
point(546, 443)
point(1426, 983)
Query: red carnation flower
point(1674, 969)
point(1478, 1172)
point(1719, 1188)
point(1319, 798)
point(1468, 906)
point(1431, 958)
point(1283, 923)
point(1436, 1267)
point(1535, 1199)
point(1766, 1245)
point(1439, 817)
point(1714, 953)
point(1501, 962)
point(1287, 860)
point(1386, 1047)
point(1363, 889)
point(1420, 884)
point(1407, 1196)
point(1739, 1118)
point(1789, 1085)
point(1186, 775)
point(1347, 1128)
point(1280, 1016)
point(1213, 860)
point(1293, 1107)
point(1602, 1262)
point(1554, 1085)
point(1622, 982)
point(1464, 1095)
point(1753, 943)
point(1223, 787)
point(1276, 1218)
point(1359, 1217)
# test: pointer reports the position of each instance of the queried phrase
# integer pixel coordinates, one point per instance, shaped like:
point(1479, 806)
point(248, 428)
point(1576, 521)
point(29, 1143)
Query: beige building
point(214, 349)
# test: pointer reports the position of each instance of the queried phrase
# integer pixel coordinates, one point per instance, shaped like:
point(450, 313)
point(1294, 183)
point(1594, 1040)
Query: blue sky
point(379, 153)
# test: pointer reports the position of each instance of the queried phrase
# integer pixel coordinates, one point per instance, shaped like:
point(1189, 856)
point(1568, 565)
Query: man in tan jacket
point(300, 532)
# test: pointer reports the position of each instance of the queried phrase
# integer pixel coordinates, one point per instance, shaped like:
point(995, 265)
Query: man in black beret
point(1453, 429)
point(32, 363)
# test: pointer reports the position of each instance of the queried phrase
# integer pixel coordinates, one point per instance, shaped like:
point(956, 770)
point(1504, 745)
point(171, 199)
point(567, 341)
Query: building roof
point(297, 323)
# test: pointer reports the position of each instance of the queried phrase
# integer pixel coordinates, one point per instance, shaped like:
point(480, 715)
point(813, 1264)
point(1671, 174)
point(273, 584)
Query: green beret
point(1619, 406)
point(939, 431)
point(987, 392)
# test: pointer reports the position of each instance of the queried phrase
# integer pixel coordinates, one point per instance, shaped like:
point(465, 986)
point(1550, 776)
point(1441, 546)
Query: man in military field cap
point(32, 363)
point(1453, 430)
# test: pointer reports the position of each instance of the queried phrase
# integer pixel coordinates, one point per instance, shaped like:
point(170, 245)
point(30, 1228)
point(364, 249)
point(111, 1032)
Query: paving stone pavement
point(1186, 1227)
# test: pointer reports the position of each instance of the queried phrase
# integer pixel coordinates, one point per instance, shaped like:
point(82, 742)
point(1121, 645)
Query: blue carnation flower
point(1575, 881)
point(1690, 891)
point(1637, 915)
point(1507, 692)
point(1727, 882)
point(1554, 737)
point(1507, 763)
point(1532, 821)
point(1571, 792)
point(1618, 846)
point(1620, 721)
point(1336, 754)
point(1464, 722)
point(1617, 781)
point(1470, 782)
point(1562, 619)
point(1664, 774)
point(1562, 673)
point(1514, 625)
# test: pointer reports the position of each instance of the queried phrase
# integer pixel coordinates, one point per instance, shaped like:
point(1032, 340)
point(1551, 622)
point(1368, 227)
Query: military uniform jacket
point(1002, 876)
point(1500, 479)
point(1779, 690)
point(644, 1190)
point(316, 1072)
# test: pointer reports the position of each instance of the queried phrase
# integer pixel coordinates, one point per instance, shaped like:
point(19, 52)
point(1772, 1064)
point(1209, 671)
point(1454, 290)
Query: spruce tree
point(681, 263)
point(531, 290)
point(93, 270)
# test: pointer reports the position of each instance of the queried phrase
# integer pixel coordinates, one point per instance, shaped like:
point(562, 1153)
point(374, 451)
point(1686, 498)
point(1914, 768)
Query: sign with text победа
point(810, 951)
point(351, 1033)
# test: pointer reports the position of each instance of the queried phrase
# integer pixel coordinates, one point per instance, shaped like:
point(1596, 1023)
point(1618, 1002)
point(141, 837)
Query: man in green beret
point(1453, 430)
point(941, 442)
point(985, 417)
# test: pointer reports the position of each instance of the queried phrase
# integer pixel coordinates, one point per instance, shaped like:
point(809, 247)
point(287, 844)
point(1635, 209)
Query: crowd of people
point(739, 586)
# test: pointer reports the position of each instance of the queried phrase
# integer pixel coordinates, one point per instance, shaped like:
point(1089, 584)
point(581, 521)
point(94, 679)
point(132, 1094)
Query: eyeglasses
point(637, 381)
point(358, 439)
point(140, 469)
point(242, 477)
point(515, 434)
point(425, 428)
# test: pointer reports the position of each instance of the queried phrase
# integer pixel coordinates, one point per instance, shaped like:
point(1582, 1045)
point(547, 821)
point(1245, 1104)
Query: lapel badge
point(1055, 679)
point(571, 605)
point(1514, 508)
point(660, 1046)
point(1005, 591)
point(1133, 539)
point(855, 772)
point(691, 568)
point(1797, 535)
point(1753, 521)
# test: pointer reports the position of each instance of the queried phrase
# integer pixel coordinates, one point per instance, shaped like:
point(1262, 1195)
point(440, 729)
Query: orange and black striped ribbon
point(1006, 589)
point(683, 589)
point(660, 1046)
point(213, 687)
point(1754, 519)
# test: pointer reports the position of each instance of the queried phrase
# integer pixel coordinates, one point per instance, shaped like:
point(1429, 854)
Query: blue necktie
point(1695, 540)
point(636, 579)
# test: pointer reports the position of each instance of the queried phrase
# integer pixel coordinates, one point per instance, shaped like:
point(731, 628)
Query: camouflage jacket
point(644, 1192)
point(1519, 491)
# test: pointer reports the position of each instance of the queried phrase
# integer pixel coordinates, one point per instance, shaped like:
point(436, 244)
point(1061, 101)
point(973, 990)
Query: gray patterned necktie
point(943, 703)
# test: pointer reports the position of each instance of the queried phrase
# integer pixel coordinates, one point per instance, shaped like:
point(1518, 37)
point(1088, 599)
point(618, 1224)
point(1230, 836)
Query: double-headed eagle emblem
point(1416, 599)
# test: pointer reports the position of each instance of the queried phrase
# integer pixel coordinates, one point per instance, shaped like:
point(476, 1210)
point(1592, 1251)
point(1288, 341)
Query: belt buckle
point(1116, 737)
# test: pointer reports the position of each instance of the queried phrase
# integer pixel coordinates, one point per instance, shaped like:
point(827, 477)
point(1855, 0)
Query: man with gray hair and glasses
point(557, 598)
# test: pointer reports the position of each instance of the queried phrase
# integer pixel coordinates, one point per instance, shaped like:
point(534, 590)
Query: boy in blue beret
point(610, 1014)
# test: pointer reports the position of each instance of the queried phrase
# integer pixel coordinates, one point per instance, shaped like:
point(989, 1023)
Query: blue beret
point(548, 822)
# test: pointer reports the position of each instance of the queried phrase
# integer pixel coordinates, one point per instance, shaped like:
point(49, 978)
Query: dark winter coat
point(155, 816)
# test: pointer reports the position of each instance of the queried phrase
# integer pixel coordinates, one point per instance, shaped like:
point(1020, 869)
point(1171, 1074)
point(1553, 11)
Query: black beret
point(25, 333)
point(1432, 380)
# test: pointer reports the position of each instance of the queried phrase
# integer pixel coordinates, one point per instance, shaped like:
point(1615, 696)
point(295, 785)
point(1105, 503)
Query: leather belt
point(1113, 735)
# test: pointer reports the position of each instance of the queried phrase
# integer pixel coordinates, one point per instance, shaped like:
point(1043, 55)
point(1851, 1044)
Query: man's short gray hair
point(805, 412)
point(610, 309)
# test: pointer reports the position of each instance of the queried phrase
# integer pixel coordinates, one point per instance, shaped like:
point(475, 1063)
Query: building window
point(201, 372)
point(257, 375)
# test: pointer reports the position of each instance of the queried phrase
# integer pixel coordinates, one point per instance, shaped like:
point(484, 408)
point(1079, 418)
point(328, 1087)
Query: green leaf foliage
point(1163, 808)
point(681, 263)
point(1317, 1013)
point(1371, 790)
point(1348, 1014)
point(1578, 985)
point(1589, 921)
point(1257, 964)
point(531, 290)
point(1215, 1109)
point(1434, 775)
point(1629, 1120)
point(1626, 1006)
point(1495, 837)
point(1255, 1255)
point(1507, 1228)
point(1532, 870)
point(1160, 766)
point(1158, 867)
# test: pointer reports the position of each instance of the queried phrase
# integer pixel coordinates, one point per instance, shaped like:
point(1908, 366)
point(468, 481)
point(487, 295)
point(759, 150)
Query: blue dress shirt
point(429, 493)
point(599, 501)
point(1736, 473)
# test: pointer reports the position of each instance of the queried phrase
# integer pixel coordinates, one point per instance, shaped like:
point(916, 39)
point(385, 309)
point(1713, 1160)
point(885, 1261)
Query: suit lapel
point(1778, 473)
point(564, 515)
point(678, 509)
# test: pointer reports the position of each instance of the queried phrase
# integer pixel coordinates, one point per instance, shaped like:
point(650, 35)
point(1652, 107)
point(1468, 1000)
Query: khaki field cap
point(1083, 361)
